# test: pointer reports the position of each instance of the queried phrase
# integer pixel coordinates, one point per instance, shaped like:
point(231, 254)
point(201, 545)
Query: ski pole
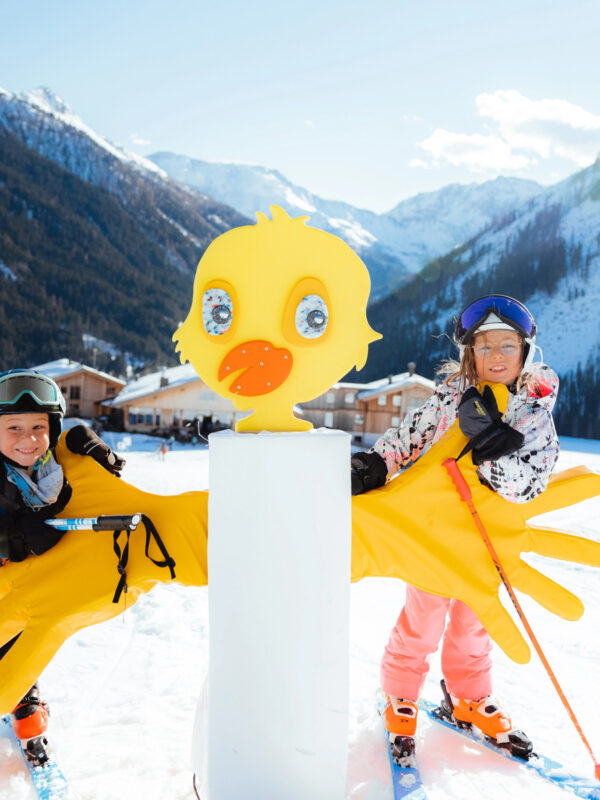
point(464, 492)
point(118, 522)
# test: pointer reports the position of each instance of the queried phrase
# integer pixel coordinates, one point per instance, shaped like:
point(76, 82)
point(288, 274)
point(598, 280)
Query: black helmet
point(27, 391)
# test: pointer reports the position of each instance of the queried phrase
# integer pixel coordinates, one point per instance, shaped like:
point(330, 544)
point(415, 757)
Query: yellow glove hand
point(416, 528)
point(44, 600)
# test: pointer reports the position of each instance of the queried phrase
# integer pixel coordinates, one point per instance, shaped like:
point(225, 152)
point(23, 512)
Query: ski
point(48, 780)
point(406, 780)
point(546, 767)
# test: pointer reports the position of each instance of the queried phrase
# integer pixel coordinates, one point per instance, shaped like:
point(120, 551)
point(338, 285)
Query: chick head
point(278, 315)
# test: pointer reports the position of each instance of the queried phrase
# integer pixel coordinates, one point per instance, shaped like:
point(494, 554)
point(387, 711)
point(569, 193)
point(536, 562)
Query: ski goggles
point(506, 308)
point(13, 385)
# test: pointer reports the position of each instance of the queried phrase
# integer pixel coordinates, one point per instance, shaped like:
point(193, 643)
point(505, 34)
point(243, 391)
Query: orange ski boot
point(30, 720)
point(400, 720)
point(488, 716)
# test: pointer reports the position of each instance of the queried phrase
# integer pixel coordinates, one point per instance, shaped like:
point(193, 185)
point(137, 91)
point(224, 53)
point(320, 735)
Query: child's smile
point(24, 437)
point(498, 356)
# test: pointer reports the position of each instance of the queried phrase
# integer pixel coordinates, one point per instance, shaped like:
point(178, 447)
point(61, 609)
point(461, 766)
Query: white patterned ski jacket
point(517, 477)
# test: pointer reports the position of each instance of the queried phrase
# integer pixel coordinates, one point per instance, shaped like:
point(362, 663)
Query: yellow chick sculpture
point(278, 315)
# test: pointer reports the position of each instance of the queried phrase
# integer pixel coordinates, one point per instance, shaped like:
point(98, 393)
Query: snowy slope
point(46, 123)
point(565, 304)
point(454, 214)
point(123, 694)
point(414, 232)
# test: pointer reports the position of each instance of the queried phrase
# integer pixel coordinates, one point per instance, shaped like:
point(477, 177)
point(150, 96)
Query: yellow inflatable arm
point(415, 528)
point(48, 598)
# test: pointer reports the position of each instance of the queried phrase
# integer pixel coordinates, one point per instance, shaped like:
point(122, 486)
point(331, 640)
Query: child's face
point(498, 356)
point(24, 437)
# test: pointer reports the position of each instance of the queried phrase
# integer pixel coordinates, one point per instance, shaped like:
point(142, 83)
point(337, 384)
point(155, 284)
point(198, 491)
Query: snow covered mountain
point(45, 123)
point(93, 236)
point(548, 255)
point(393, 245)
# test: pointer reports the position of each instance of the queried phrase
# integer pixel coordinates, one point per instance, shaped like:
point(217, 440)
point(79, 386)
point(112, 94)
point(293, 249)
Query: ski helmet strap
point(151, 533)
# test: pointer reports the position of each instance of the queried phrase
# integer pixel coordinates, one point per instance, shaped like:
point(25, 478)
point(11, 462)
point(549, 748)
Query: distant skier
point(33, 489)
point(514, 455)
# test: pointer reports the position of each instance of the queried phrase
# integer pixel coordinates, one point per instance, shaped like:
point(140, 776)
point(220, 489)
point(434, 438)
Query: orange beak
point(264, 367)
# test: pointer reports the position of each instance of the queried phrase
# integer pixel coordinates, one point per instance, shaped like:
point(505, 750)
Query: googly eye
point(217, 311)
point(312, 316)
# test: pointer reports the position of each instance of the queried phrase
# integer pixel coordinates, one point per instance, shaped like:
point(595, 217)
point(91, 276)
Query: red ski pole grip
point(462, 487)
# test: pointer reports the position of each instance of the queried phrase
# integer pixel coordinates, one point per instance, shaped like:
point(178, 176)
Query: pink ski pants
point(466, 661)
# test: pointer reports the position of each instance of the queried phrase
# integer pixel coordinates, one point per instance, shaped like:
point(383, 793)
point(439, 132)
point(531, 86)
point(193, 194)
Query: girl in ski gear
point(514, 453)
point(33, 489)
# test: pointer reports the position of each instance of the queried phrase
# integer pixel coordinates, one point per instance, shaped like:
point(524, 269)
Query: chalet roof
point(151, 384)
point(393, 383)
point(65, 366)
point(349, 385)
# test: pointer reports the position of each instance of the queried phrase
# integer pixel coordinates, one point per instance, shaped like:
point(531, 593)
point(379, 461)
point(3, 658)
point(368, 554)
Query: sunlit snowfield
point(123, 694)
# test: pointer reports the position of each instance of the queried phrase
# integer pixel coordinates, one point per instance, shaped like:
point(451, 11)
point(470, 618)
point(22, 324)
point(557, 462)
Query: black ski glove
point(85, 442)
point(367, 471)
point(480, 420)
point(27, 533)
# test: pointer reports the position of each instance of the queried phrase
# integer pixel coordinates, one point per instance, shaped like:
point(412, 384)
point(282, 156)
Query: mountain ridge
point(548, 256)
point(394, 246)
point(144, 233)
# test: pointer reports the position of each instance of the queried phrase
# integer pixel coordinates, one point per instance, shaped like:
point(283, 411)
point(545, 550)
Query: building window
point(395, 422)
point(330, 398)
point(328, 419)
point(382, 400)
point(349, 398)
point(397, 400)
point(75, 393)
point(141, 416)
point(358, 420)
point(110, 391)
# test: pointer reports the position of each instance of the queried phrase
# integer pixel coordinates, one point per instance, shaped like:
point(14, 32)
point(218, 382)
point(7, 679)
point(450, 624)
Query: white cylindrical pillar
point(279, 587)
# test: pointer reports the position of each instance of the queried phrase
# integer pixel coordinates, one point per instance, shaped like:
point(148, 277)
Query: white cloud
point(475, 151)
point(547, 127)
point(522, 131)
point(418, 162)
point(309, 123)
point(139, 140)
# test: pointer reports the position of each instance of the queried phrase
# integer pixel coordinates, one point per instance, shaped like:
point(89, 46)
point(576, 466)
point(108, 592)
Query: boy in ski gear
point(515, 454)
point(32, 490)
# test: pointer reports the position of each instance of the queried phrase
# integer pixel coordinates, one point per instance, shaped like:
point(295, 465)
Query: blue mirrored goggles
point(42, 389)
point(506, 308)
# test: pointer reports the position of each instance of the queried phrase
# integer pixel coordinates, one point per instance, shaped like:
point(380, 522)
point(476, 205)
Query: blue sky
point(368, 102)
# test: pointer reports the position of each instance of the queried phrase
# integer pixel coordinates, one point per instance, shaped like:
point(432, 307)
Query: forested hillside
point(548, 256)
point(77, 259)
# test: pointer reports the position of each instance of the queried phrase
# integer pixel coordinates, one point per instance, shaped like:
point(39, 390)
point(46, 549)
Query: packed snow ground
point(123, 694)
